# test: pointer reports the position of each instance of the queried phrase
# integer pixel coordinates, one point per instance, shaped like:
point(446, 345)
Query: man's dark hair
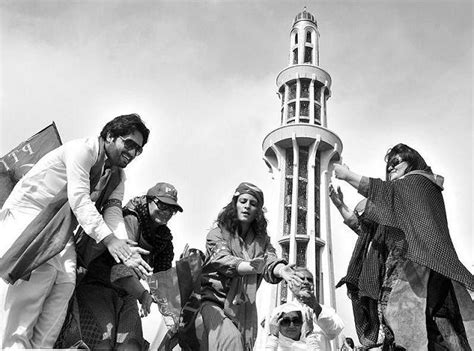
point(124, 125)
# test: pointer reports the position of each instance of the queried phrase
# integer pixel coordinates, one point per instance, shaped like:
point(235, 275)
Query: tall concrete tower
point(299, 153)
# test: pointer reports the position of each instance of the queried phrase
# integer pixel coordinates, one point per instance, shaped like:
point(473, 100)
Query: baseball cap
point(166, 193)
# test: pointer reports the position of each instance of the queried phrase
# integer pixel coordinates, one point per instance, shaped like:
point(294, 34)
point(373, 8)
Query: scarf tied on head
point(249, 188)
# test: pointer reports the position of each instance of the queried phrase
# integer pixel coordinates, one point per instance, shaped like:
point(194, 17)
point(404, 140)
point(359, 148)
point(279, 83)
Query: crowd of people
point(75, 260)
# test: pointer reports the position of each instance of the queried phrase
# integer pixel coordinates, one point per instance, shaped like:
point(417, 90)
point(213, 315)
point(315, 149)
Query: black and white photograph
point(236, 175)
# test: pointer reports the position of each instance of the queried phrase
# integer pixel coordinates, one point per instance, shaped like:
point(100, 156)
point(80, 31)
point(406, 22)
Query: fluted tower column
point(300, 152)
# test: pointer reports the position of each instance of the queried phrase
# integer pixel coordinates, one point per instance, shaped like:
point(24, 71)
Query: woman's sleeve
point(270, 263)
point(353, 223)
point(382, 201)
point(219, 254)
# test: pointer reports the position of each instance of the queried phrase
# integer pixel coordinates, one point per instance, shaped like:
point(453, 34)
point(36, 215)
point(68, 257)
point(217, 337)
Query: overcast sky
point(202, 76)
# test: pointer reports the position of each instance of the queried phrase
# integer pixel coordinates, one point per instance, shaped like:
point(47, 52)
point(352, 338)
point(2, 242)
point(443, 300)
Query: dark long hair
point(412, 157)
point(227, 219)
point(124, 125)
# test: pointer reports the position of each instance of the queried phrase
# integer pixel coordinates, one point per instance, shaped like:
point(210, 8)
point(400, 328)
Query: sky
point(202, 76)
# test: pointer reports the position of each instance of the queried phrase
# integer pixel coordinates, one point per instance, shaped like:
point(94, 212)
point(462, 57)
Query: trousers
point(32, 312)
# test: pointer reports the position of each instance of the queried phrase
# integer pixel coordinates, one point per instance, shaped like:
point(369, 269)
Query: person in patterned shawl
point(107, 295)
point(405, 260)
point(239, 256)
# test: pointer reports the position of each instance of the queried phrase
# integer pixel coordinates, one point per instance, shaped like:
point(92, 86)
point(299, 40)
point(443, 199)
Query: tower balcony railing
point(304, 71)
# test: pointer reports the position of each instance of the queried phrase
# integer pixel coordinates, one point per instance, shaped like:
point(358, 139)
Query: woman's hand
point(138, 264)
point(337, 197)
point(288, 274)
point(341, 171)
point(258, 264)
point(118, 248)
point(275, 324)
point(254, 266)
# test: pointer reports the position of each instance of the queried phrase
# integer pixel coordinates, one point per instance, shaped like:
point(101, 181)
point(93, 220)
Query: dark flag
point(19, 161)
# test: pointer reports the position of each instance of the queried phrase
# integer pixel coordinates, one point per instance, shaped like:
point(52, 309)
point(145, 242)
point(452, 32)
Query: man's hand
point(138, 264)
point(118, 248)
point(308, 298)
point(290, 276)
point(145, 301)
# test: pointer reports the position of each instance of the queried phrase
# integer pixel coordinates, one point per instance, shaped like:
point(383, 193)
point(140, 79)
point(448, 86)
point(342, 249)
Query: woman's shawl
point(414, 204)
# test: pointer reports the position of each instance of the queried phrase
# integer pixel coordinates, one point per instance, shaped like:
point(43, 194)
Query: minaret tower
point(299, 153)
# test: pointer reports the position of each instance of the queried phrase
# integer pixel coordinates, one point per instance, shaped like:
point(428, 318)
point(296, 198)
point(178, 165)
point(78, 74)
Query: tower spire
point(300, 153)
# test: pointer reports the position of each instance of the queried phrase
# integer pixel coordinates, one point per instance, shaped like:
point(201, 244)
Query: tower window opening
point(317, 183)
point(292, 94)
point(304, 108)
point(289, 163)
point(308, 55)
point(295, 56)
point(317, 93)
point(289, 191)
point(287, 224)
point(291, 110)
point(308, 37)
point(285, 249)
point(296, 38)
point(302, 198)
point(303, 160)
point(301, 221)
point(305, 88)
point(317, 114)
point(301, 254)
point(317, 273)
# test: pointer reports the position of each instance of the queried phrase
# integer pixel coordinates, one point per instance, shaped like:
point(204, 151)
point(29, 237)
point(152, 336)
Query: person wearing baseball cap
point(146, 218)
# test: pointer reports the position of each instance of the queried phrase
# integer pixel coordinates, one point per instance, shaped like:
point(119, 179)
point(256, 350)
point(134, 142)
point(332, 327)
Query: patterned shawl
point(414, 204)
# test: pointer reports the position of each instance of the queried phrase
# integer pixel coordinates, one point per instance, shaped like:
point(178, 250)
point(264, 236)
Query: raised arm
point(337, 198)
point(343, 172)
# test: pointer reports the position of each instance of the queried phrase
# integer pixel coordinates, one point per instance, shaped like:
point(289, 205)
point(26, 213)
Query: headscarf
point(249, 188)
point(294, 306)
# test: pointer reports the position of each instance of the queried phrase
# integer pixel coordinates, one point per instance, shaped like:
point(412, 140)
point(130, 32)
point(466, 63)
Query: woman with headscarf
point(422, 296)
point(239, 255)
point(288, 329)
